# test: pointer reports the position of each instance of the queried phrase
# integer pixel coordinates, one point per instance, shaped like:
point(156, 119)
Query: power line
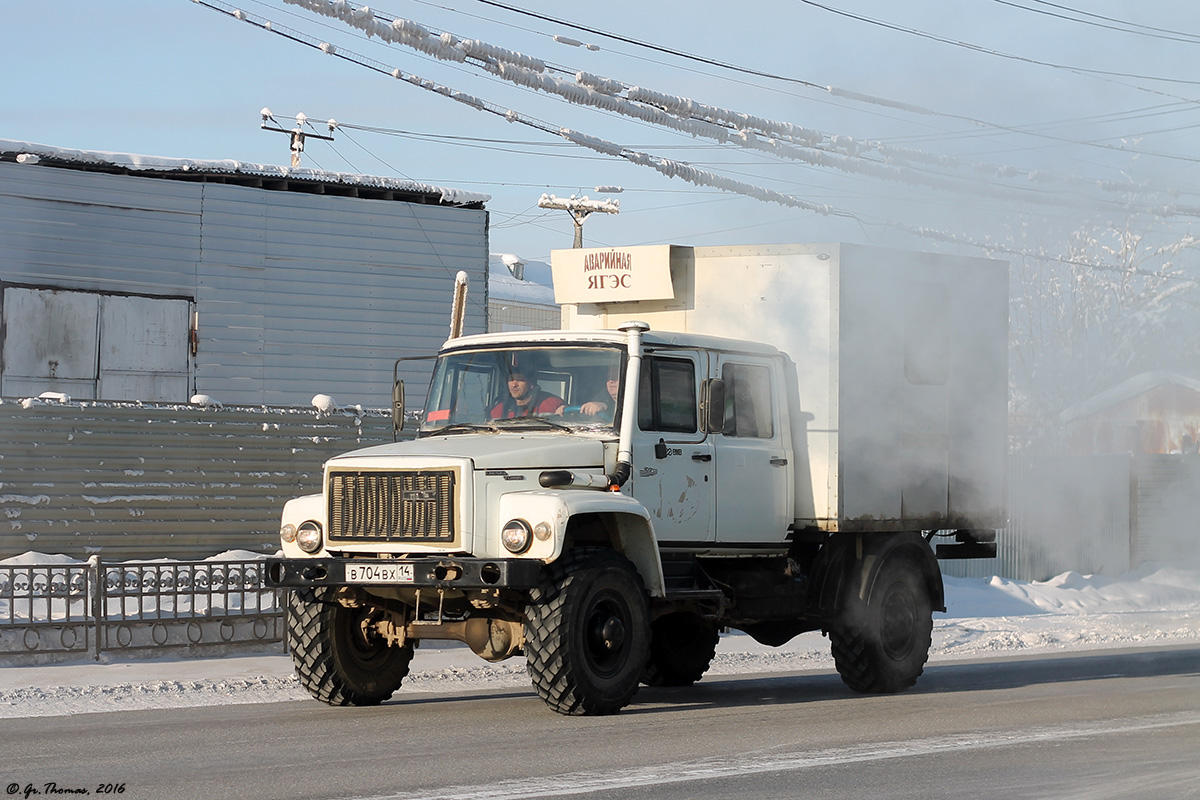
point(649, 46)
point(1122, 26)
point(667, 167)
point(832, 90)
point(780, 139)
point(848, 144)
point(989, 51)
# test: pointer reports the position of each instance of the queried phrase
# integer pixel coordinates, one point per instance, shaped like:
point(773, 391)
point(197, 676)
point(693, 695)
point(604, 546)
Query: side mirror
point(397, 407)
point(712, 405)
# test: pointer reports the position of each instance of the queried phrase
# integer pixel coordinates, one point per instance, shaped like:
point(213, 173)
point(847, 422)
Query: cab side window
point(667, 395)
point(748, 411)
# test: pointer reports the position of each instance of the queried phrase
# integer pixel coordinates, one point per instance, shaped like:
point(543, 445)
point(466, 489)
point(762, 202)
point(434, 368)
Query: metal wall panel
point(510, 315)
point(1168, 509)
point(98, 232)
point(149, 481)
point(303, 294)
point(297, 294)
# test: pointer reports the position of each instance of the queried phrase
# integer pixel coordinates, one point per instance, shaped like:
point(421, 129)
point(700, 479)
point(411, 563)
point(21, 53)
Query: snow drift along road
point(1154, 605)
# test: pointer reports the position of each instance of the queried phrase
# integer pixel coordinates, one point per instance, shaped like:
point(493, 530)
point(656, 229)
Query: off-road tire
point(587, 633)
point(682, 646)
point(881, 646)
point(336, 661)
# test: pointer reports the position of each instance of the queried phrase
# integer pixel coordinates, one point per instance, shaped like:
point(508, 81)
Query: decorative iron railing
point(95, 607)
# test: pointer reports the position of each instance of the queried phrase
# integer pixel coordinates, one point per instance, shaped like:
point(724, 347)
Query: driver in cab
point(525, 398)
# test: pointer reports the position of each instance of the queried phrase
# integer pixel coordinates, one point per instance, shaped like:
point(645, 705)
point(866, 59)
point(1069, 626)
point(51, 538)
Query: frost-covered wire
point(667, 167)
point(685, 115)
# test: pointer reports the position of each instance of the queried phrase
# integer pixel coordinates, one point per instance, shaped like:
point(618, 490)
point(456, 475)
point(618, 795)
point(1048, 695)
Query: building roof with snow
point(263, 176)
point(1153, 412)
point(520, 294)
point(1127, 390)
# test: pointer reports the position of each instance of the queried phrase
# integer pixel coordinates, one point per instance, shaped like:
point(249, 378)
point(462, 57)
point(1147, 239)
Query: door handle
point(778, 462)
point(701, 456)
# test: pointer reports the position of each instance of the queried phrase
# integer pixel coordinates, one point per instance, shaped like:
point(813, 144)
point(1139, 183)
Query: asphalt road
point(1114, 724)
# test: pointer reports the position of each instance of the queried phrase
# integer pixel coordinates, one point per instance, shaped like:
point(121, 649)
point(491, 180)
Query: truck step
point(694, 594)
point(708, 603)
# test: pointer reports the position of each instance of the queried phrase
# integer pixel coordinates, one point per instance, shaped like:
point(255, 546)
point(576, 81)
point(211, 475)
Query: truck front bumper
point(441, 573)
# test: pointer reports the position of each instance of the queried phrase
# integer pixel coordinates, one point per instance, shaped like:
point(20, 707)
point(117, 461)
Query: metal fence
point(145, 480)
point(1101, 514)
point(93, 607)
point(1064, 513)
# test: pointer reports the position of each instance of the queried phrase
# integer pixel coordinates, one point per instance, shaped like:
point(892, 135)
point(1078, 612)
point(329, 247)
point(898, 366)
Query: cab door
point(754, 501)
point(672, 460)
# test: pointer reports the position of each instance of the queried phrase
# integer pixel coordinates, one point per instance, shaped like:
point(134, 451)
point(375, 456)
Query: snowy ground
point(1154, 606)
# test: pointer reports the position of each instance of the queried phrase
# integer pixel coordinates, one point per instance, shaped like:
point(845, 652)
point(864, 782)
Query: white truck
point(771, 446)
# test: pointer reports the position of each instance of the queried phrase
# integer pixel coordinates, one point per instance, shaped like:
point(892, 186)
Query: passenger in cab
point(525, 398)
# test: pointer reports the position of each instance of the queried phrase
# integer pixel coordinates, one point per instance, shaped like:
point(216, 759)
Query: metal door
point(672, 459)
point(93, 346)
point(754, 500)
point(50, 342)
point(144, 349)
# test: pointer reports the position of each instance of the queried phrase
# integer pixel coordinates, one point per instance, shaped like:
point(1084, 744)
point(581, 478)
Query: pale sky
point(173, 78)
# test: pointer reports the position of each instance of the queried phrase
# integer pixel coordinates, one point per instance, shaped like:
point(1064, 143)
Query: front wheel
point(587, 633)
point(339, 657)
point(882, 645)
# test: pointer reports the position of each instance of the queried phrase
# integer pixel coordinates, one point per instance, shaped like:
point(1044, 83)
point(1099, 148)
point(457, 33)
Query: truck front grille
point(415, 506)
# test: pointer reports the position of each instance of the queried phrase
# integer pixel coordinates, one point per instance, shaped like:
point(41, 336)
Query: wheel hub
point(899, 624)
point(608, 633)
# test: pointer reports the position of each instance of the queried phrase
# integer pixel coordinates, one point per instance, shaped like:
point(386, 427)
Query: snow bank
point(1153, 606)
point(32, 559)
point(1150, 588)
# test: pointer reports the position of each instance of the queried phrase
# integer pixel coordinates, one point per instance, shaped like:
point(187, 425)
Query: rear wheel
point(587, 633)
point(682, 646)
point(882, 645)
point(339, 657)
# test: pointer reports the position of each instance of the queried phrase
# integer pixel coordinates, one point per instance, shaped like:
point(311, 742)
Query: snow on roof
point(536, 289)
point(1126, 390)
point(31, 153)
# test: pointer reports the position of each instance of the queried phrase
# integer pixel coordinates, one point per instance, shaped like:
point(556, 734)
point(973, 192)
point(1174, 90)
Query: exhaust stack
point(459, 308)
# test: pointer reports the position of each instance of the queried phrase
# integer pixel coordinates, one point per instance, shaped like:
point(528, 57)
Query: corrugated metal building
point(138, 278)
point(1155, 418)
point(133, 278)
point(1151, 413)
point(1124, 492)
point(521, 295)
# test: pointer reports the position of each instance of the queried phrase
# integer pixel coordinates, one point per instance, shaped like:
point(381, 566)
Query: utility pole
point(580, 208)
point(297, 134)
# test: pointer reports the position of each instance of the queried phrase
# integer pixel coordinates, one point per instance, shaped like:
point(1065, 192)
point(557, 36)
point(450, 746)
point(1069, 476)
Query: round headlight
point(288, 533)
point(308, 537)
point(516, 536)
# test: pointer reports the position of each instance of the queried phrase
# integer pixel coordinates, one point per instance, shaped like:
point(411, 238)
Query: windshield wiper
point(521, 422)
point(463, 427)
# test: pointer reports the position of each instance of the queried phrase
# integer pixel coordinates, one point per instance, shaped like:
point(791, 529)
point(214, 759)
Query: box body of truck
point(900, 403)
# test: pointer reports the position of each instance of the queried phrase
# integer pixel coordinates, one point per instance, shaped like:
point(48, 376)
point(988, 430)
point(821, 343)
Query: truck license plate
point(379, 573)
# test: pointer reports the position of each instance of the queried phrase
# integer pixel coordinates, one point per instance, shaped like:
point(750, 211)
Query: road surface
point(1120, 724)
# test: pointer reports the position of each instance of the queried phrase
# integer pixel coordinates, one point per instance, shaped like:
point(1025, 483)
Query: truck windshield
point(547, 387)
